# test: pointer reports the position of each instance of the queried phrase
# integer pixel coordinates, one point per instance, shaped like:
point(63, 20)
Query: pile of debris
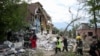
point(45, 42)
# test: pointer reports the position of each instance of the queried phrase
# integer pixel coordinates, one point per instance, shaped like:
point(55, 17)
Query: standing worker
point(79, 45)
point(58, 45)
point(94, 48)
point(65, 43)
point(33, 40)
point(9, 35)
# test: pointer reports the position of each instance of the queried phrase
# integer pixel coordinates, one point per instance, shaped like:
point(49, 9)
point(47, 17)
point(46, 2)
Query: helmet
point(78, 37)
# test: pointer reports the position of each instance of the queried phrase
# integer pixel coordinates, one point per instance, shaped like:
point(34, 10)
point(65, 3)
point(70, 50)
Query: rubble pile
point(45, 42)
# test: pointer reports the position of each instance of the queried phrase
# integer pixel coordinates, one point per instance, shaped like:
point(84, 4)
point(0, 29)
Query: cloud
point(59, 9)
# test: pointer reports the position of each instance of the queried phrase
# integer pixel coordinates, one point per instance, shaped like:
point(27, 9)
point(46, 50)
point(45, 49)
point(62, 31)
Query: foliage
point(61, 32)
point(70, 33)
point(70, 24)
point(12, 15)
point(94, 11)
point(55, 30)
point(94, 5)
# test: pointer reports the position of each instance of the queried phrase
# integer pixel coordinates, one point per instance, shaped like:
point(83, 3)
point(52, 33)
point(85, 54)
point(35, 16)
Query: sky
point(59, 11)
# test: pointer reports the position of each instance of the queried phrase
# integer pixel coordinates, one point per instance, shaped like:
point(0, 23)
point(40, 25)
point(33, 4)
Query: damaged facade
point(85, 29)
point(38, 18)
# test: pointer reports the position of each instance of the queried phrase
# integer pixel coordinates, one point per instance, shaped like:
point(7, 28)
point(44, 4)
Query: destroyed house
point(38, 18)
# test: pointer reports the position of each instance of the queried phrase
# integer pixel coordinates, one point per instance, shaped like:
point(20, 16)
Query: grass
point(65, 54)
point(33, 53)
point(41, 53)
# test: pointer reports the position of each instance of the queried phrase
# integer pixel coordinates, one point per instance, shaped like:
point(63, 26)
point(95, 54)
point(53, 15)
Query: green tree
point(12, 15)
point(70, 33)
point(55, 30)
point(94, 8)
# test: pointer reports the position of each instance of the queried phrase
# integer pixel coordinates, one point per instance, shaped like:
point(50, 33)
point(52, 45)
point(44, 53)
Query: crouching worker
point(58, 45)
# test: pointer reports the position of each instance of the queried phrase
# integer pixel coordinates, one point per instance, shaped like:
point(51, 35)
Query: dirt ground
point(49, 53)
point(52, 53)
